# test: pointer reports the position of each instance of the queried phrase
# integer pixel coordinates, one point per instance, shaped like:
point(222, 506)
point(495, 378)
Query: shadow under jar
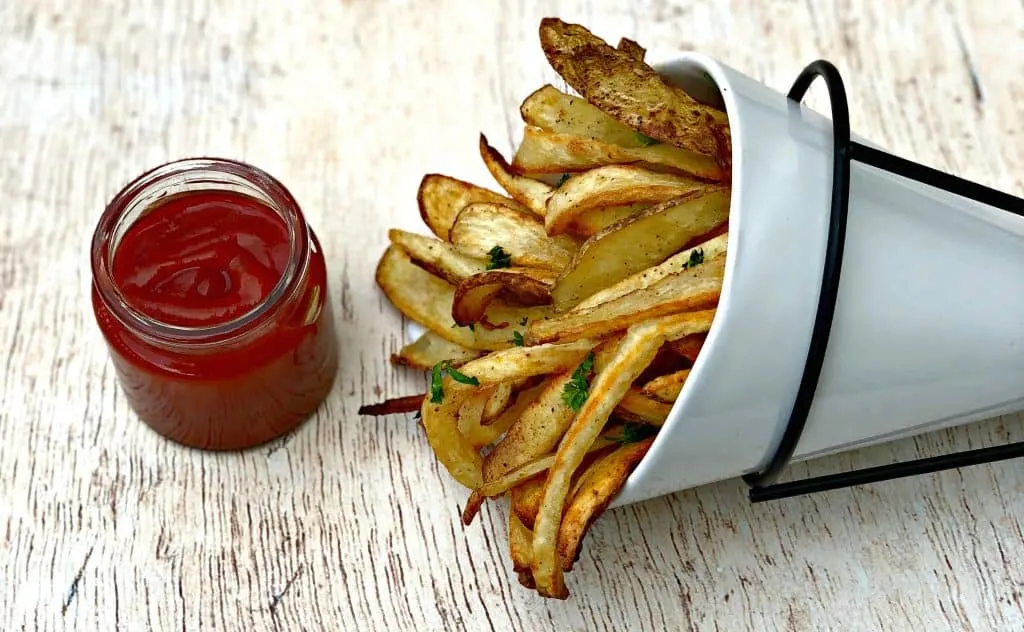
point(211, 292)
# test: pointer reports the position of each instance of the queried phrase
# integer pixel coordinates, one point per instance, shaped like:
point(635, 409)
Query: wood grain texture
point(349, 524)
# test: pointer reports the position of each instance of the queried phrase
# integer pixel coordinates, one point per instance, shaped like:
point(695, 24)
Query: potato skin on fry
point(630, 90)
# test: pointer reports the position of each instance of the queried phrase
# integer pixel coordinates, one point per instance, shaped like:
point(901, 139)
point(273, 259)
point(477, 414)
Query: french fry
point(713, 248)
point(637, 243)
point(596, 191)
point(596, 489)
point(634, 353)
point(427, 299)
point(549, 152)
point(481, 228)
point(555, 111)
point(632, 49)
point(689, 347)
point(533, 194)
point(437, 257)
point(520, 541)
point(442, 198)
point(429, 349)
point(474, 295)
point(638, 406)
point(630, 90)
point(692, 290)
point(497, 402)
point(393, 406)
point(666, 388)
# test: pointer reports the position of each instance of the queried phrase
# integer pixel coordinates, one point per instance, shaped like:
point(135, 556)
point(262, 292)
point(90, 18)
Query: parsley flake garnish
point(525, 320)
point(437, 380)
point(577, 389)
point(562, 180)
point(645, 140)
point(499, 258)
point(517, 339)
point(436, 383)
point(696, 258)
point(634, 432)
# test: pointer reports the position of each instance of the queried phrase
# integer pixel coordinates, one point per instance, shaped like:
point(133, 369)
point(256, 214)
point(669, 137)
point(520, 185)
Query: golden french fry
point(637, 350)
point(555, 111)
point(630, 90)
point(471, 415)
point(474, 295)
point(497, 402)
point(525, 500)
point(536, 432)
point(634, 353)
point(533, 194)
point(427, 299)
point(596, 489)
point(550, 152)
point(429, 349)
point(639, 242)
point(689, 347)
point(638, 406)
point(520, 541)
point(666, 388)
point(713, 248)
point(527, 471)
point(441, 425)
point(517, 363)
point(692, 290)
point(597, 191)
point(438, 257)
point(482, 228)
point(395, 405)
point(632, 49)
point(441, 199)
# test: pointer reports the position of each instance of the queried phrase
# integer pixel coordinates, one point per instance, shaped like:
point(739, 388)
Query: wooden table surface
point(349, 524)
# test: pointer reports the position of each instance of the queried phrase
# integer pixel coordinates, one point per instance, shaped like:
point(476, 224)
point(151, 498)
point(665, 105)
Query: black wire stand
point(762, 486)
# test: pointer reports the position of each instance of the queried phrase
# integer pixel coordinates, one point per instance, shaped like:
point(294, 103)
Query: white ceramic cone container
point(928, 330)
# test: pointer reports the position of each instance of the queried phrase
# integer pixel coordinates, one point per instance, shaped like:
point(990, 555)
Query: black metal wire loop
point(844, 151)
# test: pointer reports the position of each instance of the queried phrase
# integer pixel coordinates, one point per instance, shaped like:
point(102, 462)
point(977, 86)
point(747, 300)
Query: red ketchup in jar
point(211, 292)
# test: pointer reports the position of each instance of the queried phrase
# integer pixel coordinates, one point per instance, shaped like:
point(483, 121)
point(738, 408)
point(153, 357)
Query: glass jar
point(209, 349)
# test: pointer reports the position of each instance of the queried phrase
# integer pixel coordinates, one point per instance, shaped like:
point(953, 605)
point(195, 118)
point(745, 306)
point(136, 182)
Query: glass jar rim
point(281, 200)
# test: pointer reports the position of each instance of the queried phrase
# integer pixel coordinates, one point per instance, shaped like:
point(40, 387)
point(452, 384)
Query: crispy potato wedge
point(535, 433)
point(427, 299)
point(713, 248)
point(666, 388)
point(600, 190)
point(441, 424)
point(638, 242)
point(474, 295)
point(517, 363)
point(471, 415)
point(550, 152)
point(393, 406)
point(520, 540)
point(637, 349)
point(589, 223)
point(533, 194)
point(429, 349)
point(640, 407)
point(442, 198)
point(555, 111)
point(597, 488)
point(525, 501)
point(689, 347)
point(695, 289)
point(632, 49)
point(630, 90)
point(438, 257)
point(482, 227)
point(497, 402)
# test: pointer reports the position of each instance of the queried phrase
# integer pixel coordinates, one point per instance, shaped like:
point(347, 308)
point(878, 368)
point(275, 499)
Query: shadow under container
point(229, 385)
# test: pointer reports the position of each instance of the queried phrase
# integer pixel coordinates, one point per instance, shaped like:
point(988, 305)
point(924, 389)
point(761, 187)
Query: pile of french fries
point(563, 315)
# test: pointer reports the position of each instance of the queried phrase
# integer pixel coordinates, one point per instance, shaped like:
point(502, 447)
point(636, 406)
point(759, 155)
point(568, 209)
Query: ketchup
point(215, 309)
